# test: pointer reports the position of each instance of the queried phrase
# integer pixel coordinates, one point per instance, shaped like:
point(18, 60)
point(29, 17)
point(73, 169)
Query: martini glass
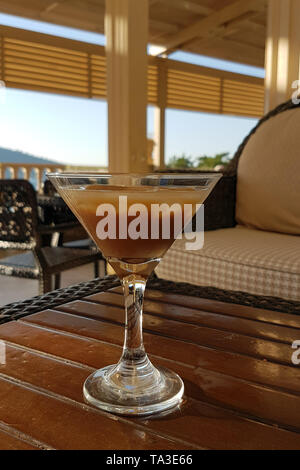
point(117, 211)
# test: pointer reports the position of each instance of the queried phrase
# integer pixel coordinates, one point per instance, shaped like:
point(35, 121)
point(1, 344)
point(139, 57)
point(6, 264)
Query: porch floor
point(14, 289)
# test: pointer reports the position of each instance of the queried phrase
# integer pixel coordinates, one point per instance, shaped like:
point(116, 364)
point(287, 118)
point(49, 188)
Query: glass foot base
point(106, 390)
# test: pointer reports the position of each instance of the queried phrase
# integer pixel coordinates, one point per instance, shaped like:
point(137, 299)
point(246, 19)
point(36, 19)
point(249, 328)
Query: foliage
point(203, 162)
point(212, 162)
point(180, 162)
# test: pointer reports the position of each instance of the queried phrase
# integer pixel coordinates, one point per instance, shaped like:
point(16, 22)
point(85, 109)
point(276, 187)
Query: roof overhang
point(228, 29)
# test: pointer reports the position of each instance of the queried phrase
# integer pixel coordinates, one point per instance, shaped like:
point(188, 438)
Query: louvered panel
point(243, 86)
point(246, 92)
point(193, 107)
point(193, 77)
point(213, 92)
point(207, 104)
point(39, 71)
point(208, 93)
point(236, 101)
point(49, 85)
point(181, 85)
point(44, 67)
point(38, 49)
point(50, 61)
point(60, 82)
point(152, 84)
point(243, 112)
point(242, 98)
point(98, 76)
point(193, 91)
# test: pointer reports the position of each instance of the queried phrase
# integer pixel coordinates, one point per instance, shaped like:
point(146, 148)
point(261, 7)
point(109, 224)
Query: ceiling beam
point(52, 6)
point(247, 21)
point(228, 49)
point(95, 24)
point(80, 7)
point(246, 52)
point(203, 10)
point(188, 6)
point(12, 9)
point(229, 29)
point(204, 27)
point(162, 27)
point(91, 23)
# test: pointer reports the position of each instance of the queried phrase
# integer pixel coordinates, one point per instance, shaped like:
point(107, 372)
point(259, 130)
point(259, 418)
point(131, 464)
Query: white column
point(160, 117)
point(126, 29)
point(282, 51)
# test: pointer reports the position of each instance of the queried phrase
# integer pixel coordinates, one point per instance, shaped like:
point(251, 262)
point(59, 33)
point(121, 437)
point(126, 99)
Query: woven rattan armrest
point(58, 297)
point(219, 207)
point(49, 229)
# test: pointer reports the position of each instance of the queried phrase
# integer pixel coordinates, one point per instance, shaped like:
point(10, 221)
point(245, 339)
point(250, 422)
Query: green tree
point(206, 161)
point(180, 162)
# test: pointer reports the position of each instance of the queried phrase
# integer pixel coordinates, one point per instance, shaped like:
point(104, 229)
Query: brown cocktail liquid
point(128, 255)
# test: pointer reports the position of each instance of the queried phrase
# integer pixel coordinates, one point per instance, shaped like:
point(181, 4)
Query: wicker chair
point(64, 213)
point(49, 189)
point(20, 229)
point(208, 268)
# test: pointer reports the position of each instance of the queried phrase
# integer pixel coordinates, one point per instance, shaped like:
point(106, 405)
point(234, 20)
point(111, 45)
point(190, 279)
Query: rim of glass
point(136, 175)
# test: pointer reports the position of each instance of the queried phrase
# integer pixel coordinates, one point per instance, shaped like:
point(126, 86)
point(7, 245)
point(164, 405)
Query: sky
point(74, 130)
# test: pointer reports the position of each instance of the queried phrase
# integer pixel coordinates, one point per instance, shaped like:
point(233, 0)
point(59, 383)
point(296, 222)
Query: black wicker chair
point(65, 212)
point(20, 229)
point(54, 209)
point(49, 189)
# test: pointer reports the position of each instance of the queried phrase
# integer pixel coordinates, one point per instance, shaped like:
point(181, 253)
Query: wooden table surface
point(242, 390)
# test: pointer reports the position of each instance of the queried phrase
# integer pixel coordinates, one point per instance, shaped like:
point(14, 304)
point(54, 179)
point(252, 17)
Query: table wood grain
point(241, 389)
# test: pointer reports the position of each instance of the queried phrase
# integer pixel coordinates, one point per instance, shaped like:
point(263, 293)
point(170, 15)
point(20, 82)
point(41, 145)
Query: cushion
point(240, 259)
point(268, 184)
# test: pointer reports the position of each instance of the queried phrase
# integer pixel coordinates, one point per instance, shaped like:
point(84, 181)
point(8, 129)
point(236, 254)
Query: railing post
point(25, 173)
point(13, 171)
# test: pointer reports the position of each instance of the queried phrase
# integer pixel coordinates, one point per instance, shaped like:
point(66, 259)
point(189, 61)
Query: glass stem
point(134, 288)
point(134, 371)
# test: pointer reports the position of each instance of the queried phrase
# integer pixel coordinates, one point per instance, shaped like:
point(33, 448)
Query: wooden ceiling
point(228, 29)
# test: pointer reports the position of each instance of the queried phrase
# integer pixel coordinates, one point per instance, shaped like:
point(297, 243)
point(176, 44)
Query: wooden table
point(242, 390)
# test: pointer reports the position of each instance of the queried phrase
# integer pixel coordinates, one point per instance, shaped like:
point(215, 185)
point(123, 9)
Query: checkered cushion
point(241, 259)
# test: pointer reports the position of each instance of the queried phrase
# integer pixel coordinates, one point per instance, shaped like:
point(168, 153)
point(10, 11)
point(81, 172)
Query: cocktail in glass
point(134, 219)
